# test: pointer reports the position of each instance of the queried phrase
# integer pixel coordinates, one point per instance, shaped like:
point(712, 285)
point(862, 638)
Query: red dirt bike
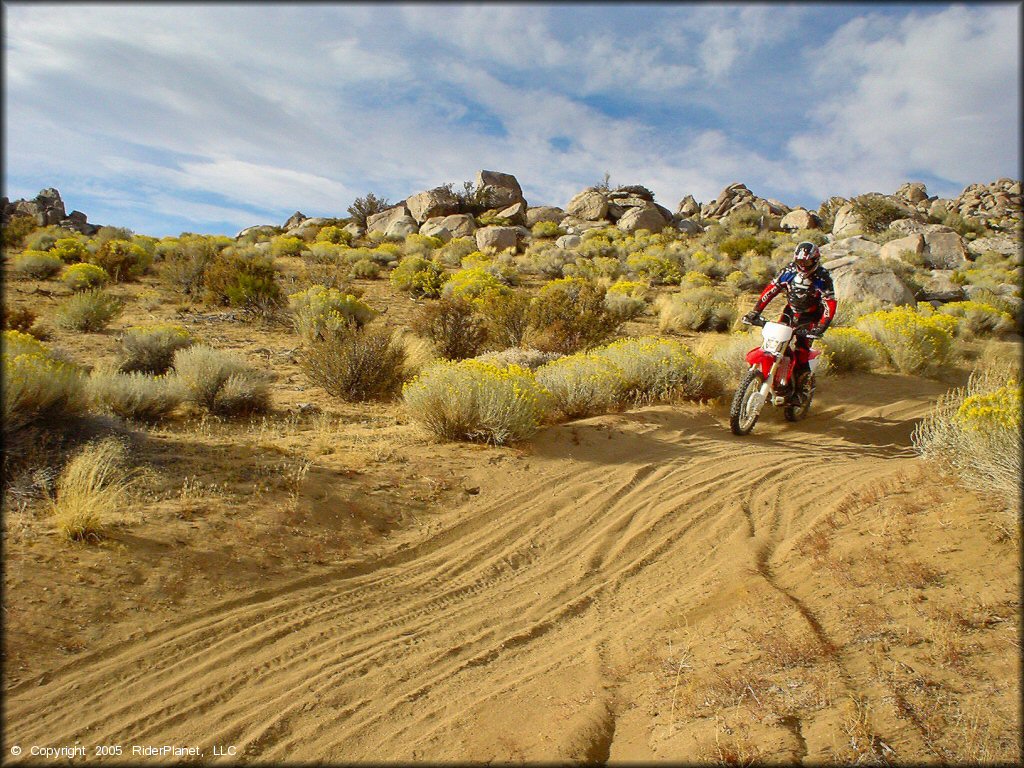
point(770, 377)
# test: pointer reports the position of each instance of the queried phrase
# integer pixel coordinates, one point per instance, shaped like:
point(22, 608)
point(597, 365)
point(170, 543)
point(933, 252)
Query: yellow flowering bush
point(419, 276)
point(582, 384)
point(975, 431)
point(851, 350)
point(633, 288)
point(286, 245)
point(70, 250)
point(657, 269)
point(655, 369)
point(220, 381)
point(421, 244)
point(151, 348)
point(335, 235)
point(79, 277)
point(913, 342)
point(320, 312)
point(476, 401)
point(978, 319)
point(473, 284)
point(37, 385)
point(697, 279)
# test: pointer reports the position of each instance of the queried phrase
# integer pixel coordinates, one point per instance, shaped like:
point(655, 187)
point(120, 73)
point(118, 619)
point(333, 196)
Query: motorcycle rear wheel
point(803, 393)
point(741, 418)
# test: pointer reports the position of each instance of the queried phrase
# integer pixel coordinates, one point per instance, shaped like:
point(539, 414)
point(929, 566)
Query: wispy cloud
point(234, 115)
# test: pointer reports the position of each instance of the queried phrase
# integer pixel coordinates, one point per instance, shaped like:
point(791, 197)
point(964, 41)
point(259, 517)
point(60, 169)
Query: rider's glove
point(814, 333)
point(752, 316)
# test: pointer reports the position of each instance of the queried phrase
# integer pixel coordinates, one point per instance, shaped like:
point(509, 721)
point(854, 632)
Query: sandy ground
point(326, 583)
point(636, 586)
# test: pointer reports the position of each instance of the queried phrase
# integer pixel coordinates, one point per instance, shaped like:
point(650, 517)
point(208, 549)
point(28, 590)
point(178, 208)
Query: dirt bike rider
point(810, 298)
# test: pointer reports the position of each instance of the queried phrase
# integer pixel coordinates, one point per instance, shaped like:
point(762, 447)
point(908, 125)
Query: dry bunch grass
point(92, 491)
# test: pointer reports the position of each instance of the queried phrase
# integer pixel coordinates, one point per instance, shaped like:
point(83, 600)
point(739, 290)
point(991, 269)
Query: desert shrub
point(332, 234)
point(419, 276)
point(598, 242)
point(366, 269)
point(38, 386)
point(506, 317)
point(978, 319)
point(876, 212)
point(18, 319)
point(423, 245)
point(476, 401)
point(697, 309)
point(695, 280)
point(569, 315)
point(471, 284)
point(849, 312)
point(731, 351)
point(135, 396)
point(624, 307)
point(79, 277)
point(656, 269)
point(325, 252)
point(186, 260)
point(91, 310)
point(70, 250)
point(975, 431)
point(913, 343)
point(737, 245)
point(454, 251)
point(151, 348)
point(581, 385)
point(222, 382)
point(386, 254)
point(851, 350)
point(706, 264)
point(17, 228)
point(363, 364)
point(106, 234)
point(92, 491)
point(634, 288)
point(41, 240)
point(241, 280)
point(38, 264)
point(122, 259)
point(323, 313)
point(285, 245)
point(453, 326)
point(547, 229)
point(656, 369)
point(963, 225)
point(524, 357)
point(364, 207)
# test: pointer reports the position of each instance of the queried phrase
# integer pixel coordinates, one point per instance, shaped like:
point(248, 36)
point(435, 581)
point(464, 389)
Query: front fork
point(766, 392)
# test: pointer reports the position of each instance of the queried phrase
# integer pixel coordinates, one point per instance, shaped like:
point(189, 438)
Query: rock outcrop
point(736, 198)
point(47, 208)
point(997, 205)
point(856, 279)
point(379, 222)
point(500, 238)
point(432, 203)
point(501, 189)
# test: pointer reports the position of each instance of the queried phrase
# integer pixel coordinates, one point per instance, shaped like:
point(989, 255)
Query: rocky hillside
point(47, 208)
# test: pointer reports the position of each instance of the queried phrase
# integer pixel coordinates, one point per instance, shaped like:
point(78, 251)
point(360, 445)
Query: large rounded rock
point(439, 201)
point(307, 229)
point(457, 225)
point(379, 222)
point(939, 286)
point(515, 214)
point(849, 246)
point(501, 189)
point(260, 230)
point(576, 225)
point(649, 218)
point(434, 228)
point(1001, 244)
point(688, 207)
point(856, 279)
point(800, 218)
point(944, 250)
point(497, 237)
point(687, 226)
point(847, 222)
point(897, 249)
point(403, 226)
point(913, 192)
point(588, 204)
point(544, 213)
point(569, 241)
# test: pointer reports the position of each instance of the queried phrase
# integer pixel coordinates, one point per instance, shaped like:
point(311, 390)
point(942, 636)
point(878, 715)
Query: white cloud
point(934, 93)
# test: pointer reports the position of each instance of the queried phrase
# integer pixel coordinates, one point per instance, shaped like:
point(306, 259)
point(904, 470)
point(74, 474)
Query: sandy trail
point(512, 621)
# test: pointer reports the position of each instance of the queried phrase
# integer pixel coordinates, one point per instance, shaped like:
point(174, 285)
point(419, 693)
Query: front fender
point(759, 357)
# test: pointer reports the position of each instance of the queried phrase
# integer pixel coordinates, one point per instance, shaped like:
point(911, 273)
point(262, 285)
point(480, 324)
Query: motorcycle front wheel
point(743, 414)
point(803, 393)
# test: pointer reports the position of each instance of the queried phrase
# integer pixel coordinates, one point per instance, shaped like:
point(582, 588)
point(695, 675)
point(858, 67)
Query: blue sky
point(212, 117)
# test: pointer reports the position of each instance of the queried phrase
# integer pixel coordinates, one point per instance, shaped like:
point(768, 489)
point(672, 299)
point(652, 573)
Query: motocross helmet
point(807, 257)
